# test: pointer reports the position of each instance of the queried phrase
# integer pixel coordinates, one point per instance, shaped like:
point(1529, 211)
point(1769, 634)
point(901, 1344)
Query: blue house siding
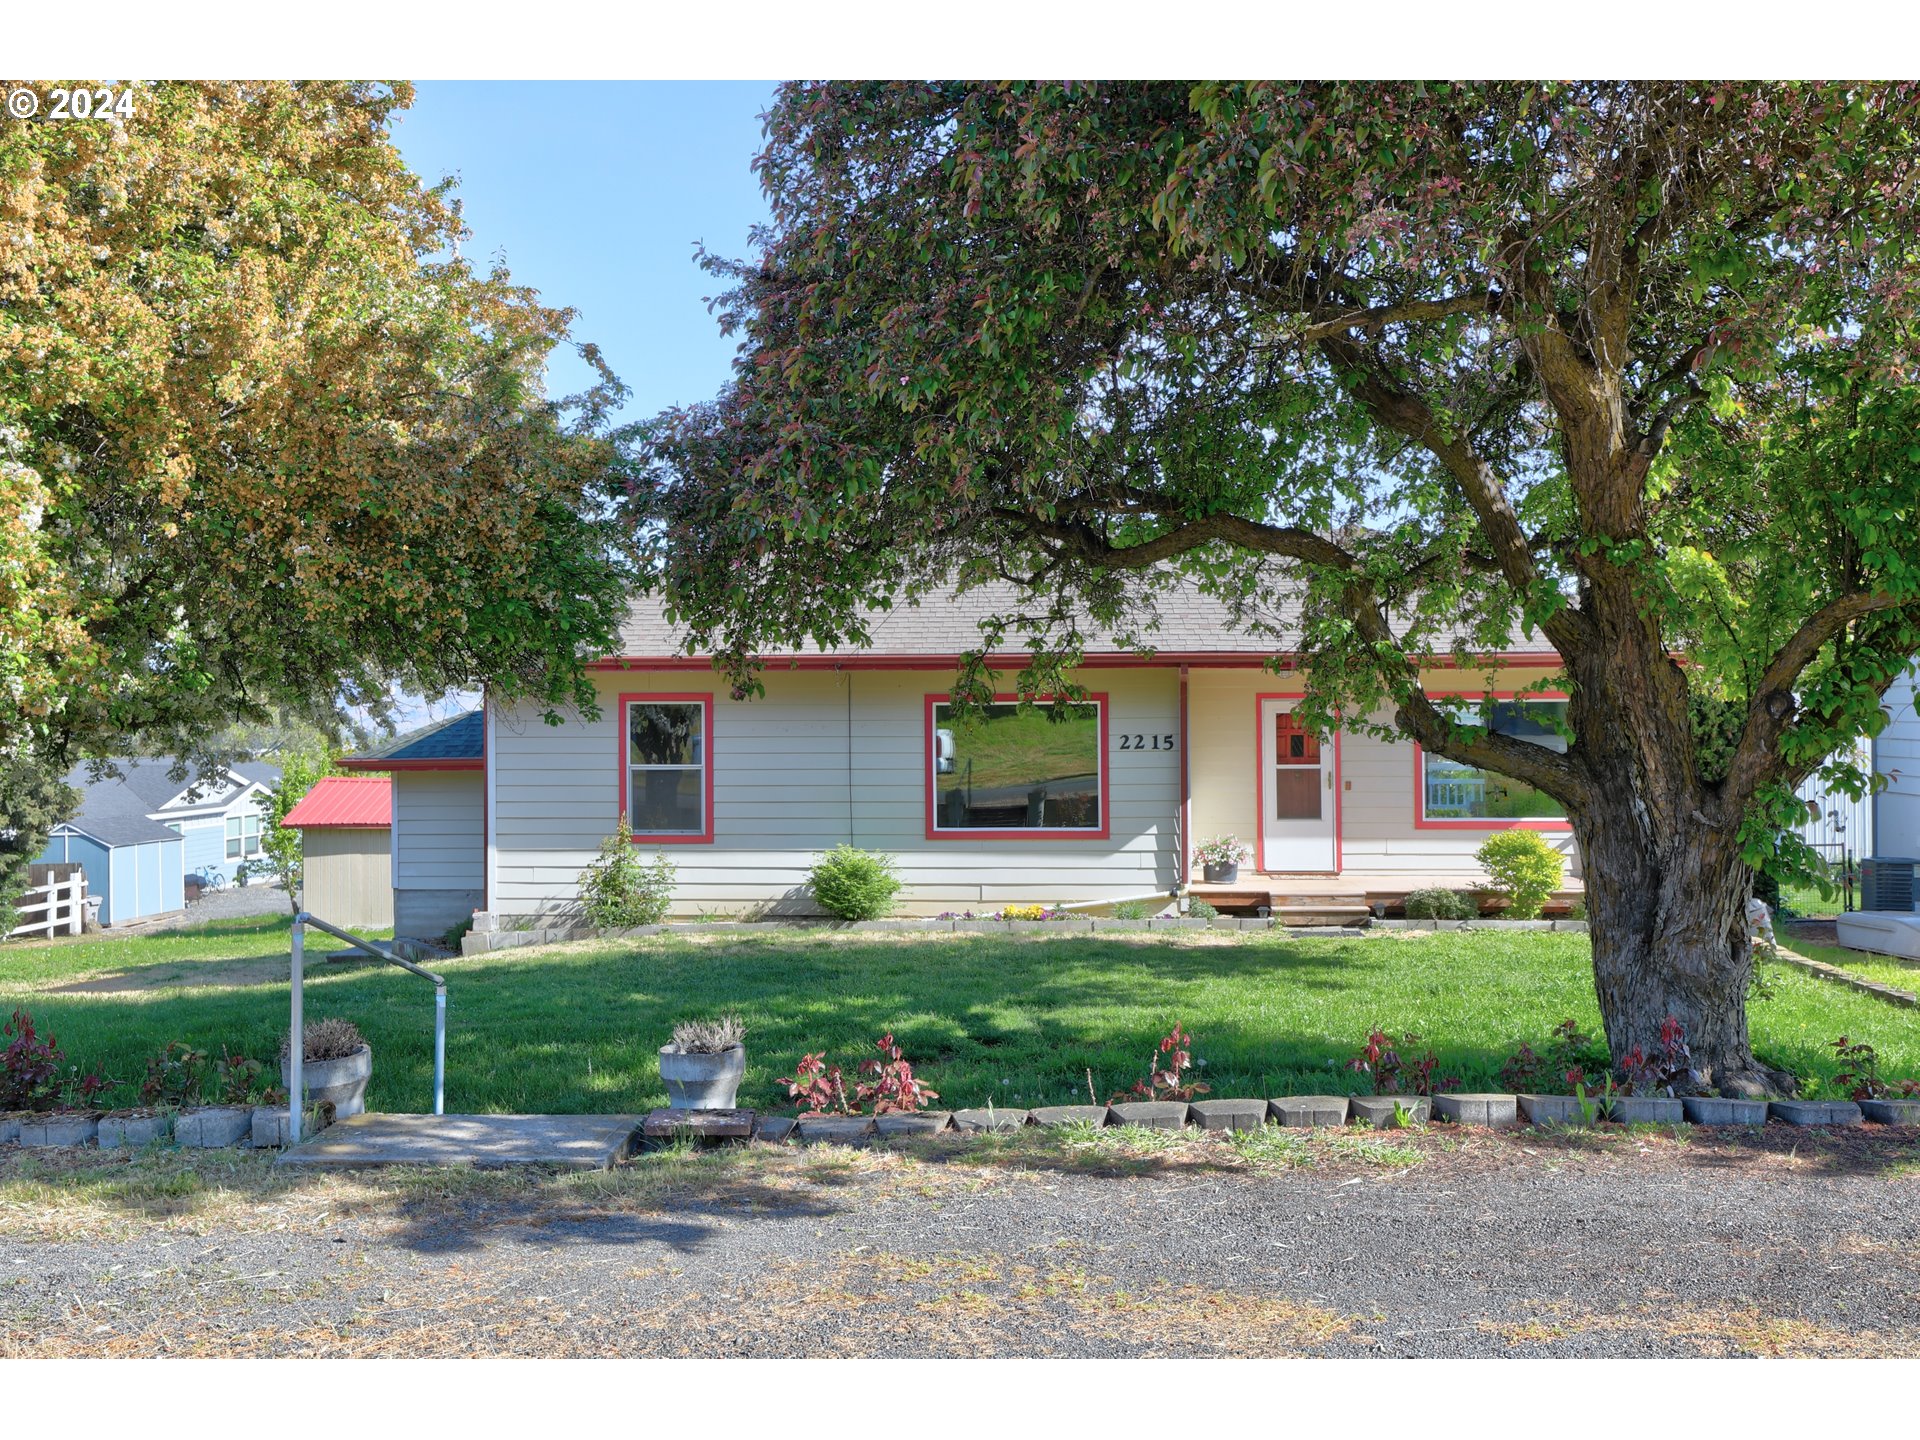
point(206, 843)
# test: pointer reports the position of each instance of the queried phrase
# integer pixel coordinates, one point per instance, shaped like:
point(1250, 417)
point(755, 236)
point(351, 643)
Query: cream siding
point(346, 877)
point(824, 758)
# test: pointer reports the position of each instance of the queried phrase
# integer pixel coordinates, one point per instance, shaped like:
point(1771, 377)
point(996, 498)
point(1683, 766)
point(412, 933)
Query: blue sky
point(595, 194)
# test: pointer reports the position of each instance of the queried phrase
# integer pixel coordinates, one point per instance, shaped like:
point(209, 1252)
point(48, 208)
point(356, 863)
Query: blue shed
point(135, 866)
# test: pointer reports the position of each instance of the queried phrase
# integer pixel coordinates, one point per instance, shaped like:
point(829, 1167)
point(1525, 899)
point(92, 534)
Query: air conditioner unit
point(1886, 882)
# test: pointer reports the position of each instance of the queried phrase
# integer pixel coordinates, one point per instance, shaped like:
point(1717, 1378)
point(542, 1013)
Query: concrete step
point(486, 1142)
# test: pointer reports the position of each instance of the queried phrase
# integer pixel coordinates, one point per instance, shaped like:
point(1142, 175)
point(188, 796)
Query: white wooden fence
point(60, 906)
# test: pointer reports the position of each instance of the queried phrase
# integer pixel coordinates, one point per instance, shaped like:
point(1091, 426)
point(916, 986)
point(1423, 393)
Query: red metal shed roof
point(343, 801)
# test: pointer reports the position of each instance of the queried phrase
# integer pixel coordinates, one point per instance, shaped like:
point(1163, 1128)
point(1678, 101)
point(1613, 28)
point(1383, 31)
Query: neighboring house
point(1896, 755)
point(125, 821)
point(438, 815)
point(1196, 740)
point(346, 848)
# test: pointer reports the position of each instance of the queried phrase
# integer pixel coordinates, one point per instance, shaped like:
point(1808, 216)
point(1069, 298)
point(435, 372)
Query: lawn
point(1016, 1020)
point(1868, 966)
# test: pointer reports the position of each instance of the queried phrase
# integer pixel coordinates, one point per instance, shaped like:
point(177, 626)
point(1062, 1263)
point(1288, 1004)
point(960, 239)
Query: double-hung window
point(666, 767)
point(1454, 794)
point(1013, 772)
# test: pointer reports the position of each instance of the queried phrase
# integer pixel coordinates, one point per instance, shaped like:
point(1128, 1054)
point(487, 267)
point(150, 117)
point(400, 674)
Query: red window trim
point(1260, 792)
point(650, 697)
point(1420, 820)
point(997, 832)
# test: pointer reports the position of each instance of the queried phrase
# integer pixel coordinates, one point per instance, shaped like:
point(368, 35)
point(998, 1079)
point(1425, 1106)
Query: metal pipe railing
point(296, 1045)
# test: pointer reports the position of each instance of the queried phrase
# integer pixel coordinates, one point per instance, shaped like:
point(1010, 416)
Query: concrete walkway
point(485, 1142)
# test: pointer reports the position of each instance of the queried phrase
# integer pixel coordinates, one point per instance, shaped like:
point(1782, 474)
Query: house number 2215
point(1146, 742)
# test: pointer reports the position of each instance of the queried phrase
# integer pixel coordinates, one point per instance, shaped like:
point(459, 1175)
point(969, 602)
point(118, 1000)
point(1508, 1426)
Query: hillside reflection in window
point(1453, 791)
point(666, 767)
point(1008, 769)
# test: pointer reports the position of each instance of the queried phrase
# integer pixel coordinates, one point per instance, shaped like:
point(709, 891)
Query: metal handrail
point(296, 1045)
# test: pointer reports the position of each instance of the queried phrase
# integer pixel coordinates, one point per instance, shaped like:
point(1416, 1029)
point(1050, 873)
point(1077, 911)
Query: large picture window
point(667, 766)
point(1454, 794)
point(1014, 771)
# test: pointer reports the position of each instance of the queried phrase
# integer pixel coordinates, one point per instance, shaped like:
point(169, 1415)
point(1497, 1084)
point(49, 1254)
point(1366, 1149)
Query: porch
point(1298, 899)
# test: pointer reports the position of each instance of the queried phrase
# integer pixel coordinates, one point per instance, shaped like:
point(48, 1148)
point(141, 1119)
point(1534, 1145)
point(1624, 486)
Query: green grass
point(1018, 1021)
point(1882, 968)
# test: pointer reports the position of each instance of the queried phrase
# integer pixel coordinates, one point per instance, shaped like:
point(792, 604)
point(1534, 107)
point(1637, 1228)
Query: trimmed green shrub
point(1525, 869)
point(854, 884)
point(1201, 910)
point(1434, 903)
point(619, 892)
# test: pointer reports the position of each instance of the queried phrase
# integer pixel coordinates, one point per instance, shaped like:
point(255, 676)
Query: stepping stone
point(1380, 1111)
point(1309, 1110)
point(1814, 1112)
point(992, 1119)
point(486, 1142)
point(1229, 1114)
point(923, 1122)
point(1070, 1115)
point(1154, 1114)
point(1647, 1110)
point(1723, 1110)
point(1891, 1112)
point(48, 1132)
point(668, 1124)
point(834, 1129)
point(774, 1129)
point(1497, 1112)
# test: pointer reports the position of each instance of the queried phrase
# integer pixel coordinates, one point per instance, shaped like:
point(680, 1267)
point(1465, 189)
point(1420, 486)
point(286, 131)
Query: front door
point(1297, 800)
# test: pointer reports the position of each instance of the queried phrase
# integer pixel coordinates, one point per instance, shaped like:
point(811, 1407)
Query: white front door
point(1298, 803)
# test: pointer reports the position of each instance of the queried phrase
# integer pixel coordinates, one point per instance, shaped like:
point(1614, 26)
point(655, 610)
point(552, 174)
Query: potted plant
point(338, 1063)
point(703, 1063)
point(1220, 859)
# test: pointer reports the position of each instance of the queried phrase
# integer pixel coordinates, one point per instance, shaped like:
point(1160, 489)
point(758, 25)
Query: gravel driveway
point(233, 903)
point(1463, 1243)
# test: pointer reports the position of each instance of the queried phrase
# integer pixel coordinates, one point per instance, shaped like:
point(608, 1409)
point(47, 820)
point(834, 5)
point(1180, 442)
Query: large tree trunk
point(1667, 910)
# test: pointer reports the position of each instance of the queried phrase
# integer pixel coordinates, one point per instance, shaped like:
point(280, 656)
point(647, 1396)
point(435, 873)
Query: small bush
point(1525, 869)
point(709, 1037)
point(854, 884)
point(332, 1039)
point(1201, 910)
point(455, 933)
point(618, 891)
point(1433, 903)
point(29, 1066)
point(1131, 910)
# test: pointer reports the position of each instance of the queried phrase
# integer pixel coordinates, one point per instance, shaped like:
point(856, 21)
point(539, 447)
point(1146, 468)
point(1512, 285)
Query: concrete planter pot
point(1383, 1112)
point(214, 1128)
point(59, 1130)
point(1307, 1111)
point(702, 1082)
point(1724, 1110)
point(1891, 1112)
point(341, 1083)
point(131, 1131)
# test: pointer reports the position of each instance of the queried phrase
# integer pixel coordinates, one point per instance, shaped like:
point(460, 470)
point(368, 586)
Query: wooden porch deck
point(1348, 896)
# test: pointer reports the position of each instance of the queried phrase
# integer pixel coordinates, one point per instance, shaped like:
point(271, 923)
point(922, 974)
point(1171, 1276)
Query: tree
point(267, 440)
point(281, 852)
point(1627, 366)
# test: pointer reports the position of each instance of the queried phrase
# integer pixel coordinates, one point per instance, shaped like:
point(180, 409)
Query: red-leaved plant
point(1166, 1068)
point(817, 1087)
point(1860, 1079)
point(1392, 1075)
point(1644, 1074)
point(890, 1086)
point(1556, 1069)
point(28, 1066)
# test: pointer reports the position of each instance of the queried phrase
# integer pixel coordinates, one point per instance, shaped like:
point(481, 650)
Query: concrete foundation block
point(1154, 1114)
point(920, 1122)
point(1723, 1110)
point(993, 1118)
point(214, 1128)
point(1814, 1112)
point(1496, 1112)
point(130, 1132)
point(1380, 1110)
point(1891, 1112)
point(834, 1129)
point(1302, 1111)
point(55, 1131)
point(1229, 1114)
point(1647, 1110)
point(1070, 1115)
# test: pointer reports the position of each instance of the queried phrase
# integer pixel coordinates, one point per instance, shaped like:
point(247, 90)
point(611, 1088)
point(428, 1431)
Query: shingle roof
point(151, 780)
point(459, 738)
point(344, 801)
point(114, 813)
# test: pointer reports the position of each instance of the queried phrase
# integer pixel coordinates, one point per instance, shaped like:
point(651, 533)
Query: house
point(438, 822)
point(346, 848)
point(1194, 740)
point(139, 833)
point(1895, 827)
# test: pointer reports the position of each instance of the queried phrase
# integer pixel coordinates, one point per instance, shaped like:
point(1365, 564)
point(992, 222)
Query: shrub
point(1860, 1077)
point(1166, 1069)
point(1525, 869)
point(456, 932)
point(854, 884)
point(890, 1086)
point(332, 1039)
point(618, 892)
point(1434, 903)
point(709, 1037)
point(816, 1087)
point(177, 1074)
point(1644, 1074)
point(28, 1066)
point(1202, 910)
point(1131, 910)
point(1392, 1075)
